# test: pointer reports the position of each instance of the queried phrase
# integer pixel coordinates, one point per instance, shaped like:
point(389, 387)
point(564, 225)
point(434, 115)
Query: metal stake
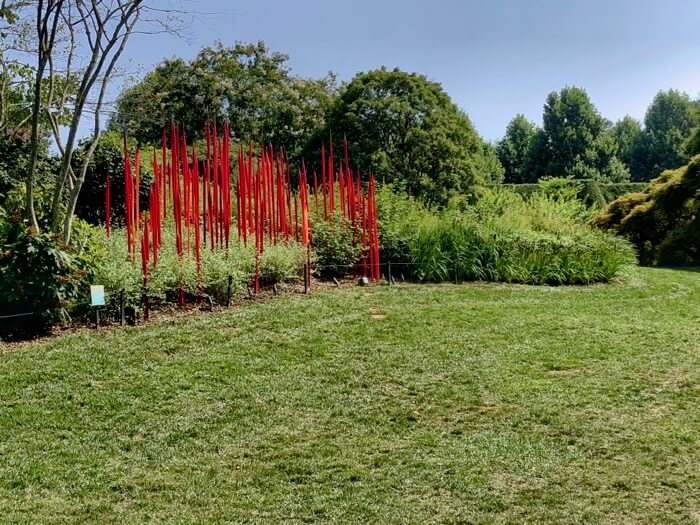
point(228, 291)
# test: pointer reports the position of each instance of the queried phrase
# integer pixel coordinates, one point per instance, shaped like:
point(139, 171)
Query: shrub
point(592, 193)
point(282, 263)
point(663, 221)
point(39, 274)
point(278, 263)
point(397, 216)
point(333, 251)
point(109, 159)
point(502, 236)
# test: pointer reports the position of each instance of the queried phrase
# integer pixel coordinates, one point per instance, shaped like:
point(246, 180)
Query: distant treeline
point(576, 141)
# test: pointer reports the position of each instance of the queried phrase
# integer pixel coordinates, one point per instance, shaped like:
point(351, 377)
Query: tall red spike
point(324, 182)
point(128, 201)
point(197, 235)
point(316, 194)
point(331, 177)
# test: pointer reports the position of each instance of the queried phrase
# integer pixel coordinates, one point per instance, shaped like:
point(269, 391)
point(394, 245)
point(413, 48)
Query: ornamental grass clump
point(543, 239)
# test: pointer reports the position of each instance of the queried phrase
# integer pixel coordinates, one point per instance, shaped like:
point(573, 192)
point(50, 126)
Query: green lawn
point(464, 404)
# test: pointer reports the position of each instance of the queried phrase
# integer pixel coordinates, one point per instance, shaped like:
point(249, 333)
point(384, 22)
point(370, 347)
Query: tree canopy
point(249, 84)
point(627, 133)
point(516, 150)
point(407, 130)
point(577, 142)
point(668, 124)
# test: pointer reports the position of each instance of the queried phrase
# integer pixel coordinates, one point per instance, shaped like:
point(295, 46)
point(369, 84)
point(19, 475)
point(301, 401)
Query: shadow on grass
point(693, 269)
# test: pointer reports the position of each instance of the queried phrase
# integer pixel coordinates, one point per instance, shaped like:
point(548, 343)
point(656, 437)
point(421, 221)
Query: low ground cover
point(416, 403)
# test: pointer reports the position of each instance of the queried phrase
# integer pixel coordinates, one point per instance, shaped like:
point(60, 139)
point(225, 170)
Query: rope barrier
point(16, 315)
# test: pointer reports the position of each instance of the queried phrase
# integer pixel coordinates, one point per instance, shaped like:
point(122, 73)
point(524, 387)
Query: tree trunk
point(34, 147)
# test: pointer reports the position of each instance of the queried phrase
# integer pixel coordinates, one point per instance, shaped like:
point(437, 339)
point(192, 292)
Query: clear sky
point(495, 58)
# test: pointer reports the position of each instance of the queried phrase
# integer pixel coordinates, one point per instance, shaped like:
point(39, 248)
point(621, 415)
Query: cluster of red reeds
point(267, 209)
point(355, 206)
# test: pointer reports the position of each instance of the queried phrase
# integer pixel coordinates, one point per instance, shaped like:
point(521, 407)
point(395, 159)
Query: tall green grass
point(455, 247)
point(543, 239)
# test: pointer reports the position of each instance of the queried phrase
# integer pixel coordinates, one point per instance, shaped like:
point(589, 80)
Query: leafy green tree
point(571, 126)
point(628, 134)
point(691, 146)
point(517, 149)
point(577, 139)
point(668, 124)
point(108, 159)
point(407, 130)
point(173, 90)
point(247, 83)
point(490, 164)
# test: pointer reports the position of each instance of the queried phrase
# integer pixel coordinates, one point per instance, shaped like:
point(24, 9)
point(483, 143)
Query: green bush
point(278, 263)
point(334, 252)
point(502, 236)
point(397, 217)
point(282, 263)
point(663, 221)
point(39, 274)
point(108, 158)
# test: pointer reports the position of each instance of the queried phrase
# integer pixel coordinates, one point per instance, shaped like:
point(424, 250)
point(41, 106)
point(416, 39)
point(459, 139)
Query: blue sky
point(495, 58)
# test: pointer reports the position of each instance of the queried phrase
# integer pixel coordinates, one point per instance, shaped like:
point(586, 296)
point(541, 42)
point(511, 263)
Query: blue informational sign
point(97, 295)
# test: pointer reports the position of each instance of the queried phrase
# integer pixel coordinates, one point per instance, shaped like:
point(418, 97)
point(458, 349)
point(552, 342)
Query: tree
point(627, 133)
point(77, 46)
point(517, 149)
point(63, 28)
point(108, 159)
point(577, 140)
point(691, 146)
point(668, 124)
point(571, 126)
point(173, 90)
point(407, 131)
point(663, 221)
point(247, 83)
point(16, 96)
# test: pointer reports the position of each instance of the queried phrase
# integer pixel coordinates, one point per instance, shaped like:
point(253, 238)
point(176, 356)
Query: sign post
point(97, 299)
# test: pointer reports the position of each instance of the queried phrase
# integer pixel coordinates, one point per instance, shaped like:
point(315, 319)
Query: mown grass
point(414, 404)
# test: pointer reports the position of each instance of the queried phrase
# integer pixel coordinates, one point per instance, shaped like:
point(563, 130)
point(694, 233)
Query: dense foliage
point(591, 192)
point(542, 239)
point(39, 275)
point(108, 159)
point(628, 135)
point(668, 124)
point(518, 149)
point(248, 84)
point(576, 141)
point(663, 221)
point(334, 253)
point(278, 263)
point(407, 131)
